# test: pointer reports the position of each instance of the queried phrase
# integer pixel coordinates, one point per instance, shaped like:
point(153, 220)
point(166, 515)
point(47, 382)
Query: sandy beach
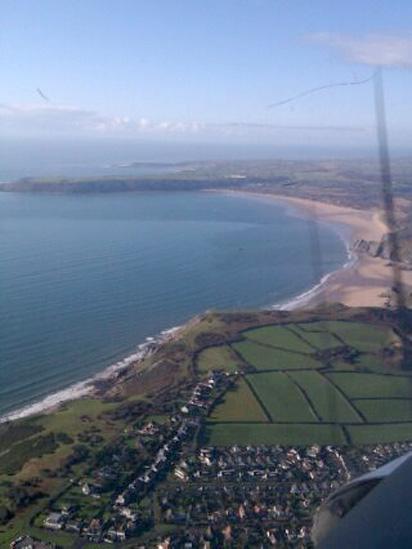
point(367, 280)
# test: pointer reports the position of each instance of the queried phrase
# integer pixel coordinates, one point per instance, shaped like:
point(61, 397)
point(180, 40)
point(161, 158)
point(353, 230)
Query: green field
point(281, 397)
point(279, 336)
point(361, 336)
point(328, 402)
point(265, 358)
point(369, 361)
point(12, 433)
point(218, 358)
point(239, 404)
point(371, 434)
point(317, 334)
point(360, 385)
point(220, 434)
point(41, 436)
point(294, 387)
point(13, 460)
point(385, 410)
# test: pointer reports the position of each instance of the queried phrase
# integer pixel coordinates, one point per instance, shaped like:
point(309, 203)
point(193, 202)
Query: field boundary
point(306, 397)
point(345, 397)
point(257, 397)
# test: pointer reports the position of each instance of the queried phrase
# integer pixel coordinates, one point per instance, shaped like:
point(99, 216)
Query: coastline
point(90, 386)
point(365, 281)
point(361, 281)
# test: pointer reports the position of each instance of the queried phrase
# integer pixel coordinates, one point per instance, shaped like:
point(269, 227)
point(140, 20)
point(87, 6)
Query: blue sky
point(203, 69)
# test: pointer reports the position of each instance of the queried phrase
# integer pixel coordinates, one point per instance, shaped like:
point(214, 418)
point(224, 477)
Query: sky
point(204, 70)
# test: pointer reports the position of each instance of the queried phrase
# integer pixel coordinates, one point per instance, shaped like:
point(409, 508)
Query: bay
point(84, 279)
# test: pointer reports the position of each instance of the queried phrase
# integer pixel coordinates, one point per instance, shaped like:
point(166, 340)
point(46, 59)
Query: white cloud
point(69, 119)
point(387, 50)
point(73, 121)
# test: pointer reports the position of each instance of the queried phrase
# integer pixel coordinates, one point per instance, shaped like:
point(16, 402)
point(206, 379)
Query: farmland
point(322, 381)
point(259, 433)
point(329, 403)
point(369, 385)
point(279, 336)
point(262, 357)
point(215, 356)
point(239, 404)
point(281, 397)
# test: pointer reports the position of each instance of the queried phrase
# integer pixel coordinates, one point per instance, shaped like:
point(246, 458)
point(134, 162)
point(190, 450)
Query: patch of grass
point(328, 402)
point(364, 337)
point(370, 362)
point(220, 434)
point(264, 358)
point(363, 385)
point(343, 365)
point(13, 460)
point(75, 416)
point(278, 336)
point(72, 419)
point(239, 404)
point(62, 539)
point(384, 410)
point(218, 358)
point(158, 419)
point(281, 397)
point(318, 335)
point(373, 434)
point(10, 433)
point(365, 361)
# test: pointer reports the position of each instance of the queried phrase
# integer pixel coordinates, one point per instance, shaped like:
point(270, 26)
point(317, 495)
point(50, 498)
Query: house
point(27, 542)
point(74, 526)
point(150, 429)
point(116, 535)
point(91, 490)
point(128, 513)
point(181, 474)
point(54, 521)
point(86, 489)
point(121, 499)
point(94, 530)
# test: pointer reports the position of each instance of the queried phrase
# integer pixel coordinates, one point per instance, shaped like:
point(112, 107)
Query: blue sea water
point(84, 279)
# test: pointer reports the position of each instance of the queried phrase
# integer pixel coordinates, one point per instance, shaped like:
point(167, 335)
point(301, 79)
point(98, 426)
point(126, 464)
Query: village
point(201, 495)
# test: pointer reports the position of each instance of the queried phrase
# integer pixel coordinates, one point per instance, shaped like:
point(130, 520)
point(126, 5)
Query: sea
point(86, 279)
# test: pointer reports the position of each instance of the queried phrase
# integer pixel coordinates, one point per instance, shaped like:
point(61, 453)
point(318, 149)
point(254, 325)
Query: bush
point(64, 438)
point(5, 514)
